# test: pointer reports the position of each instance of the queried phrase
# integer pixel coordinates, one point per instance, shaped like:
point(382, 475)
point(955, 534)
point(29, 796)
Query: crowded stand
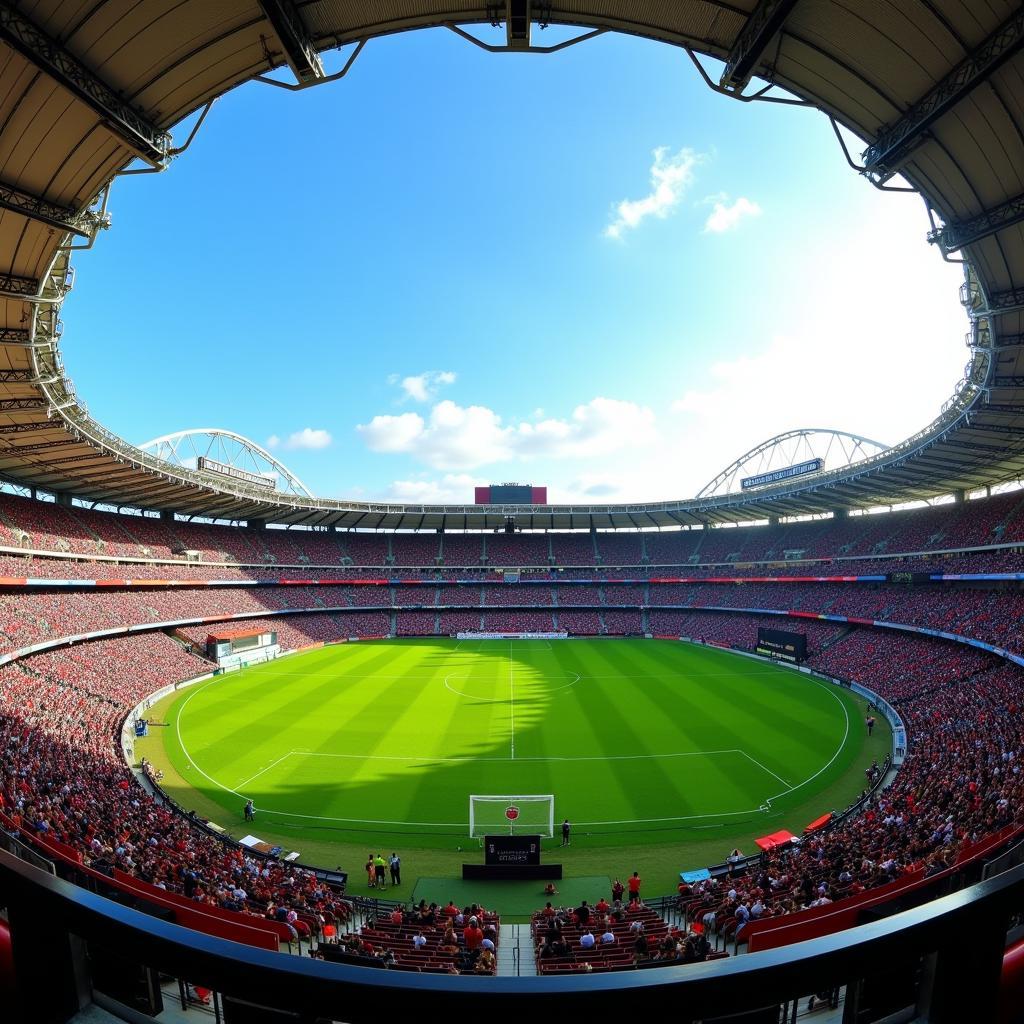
point(453, 597)
point(573, 549)
point(462, 548)
point(66, 786)
point(990, 614)
point(45, 525)
point(580, 623)
point(603, 936)
point(416, 623)
point(406, 596)
point(364, 548)
point(413, 549)
point(622, 623)
point(586, 597)
point(452, 623)
point(428, 938)
point(518, 549)
point(518, 622)
point(514, 596)
point(621, 548)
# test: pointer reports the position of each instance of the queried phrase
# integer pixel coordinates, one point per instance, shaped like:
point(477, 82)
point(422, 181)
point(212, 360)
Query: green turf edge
point(658, 863)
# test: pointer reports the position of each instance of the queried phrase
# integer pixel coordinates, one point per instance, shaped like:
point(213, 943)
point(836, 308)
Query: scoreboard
point(779, 643)
point(511, 494)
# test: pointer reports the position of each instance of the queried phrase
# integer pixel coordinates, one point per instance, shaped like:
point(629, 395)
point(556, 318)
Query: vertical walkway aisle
point(515, 952)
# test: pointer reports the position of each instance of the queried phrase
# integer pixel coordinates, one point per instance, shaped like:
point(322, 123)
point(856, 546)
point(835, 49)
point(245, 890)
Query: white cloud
point(464, 437)
point(451, 488)
point(853, 355)
point(671, 175)
point(726, 216)
point(307, 439)
point(422, 386)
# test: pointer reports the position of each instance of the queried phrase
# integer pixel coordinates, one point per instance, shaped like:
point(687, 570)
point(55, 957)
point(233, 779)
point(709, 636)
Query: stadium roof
point(935, 90)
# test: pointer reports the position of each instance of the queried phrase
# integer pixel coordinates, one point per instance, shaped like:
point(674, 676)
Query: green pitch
point(639, 741)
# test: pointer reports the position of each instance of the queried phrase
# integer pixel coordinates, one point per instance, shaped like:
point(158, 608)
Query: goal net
point(518, 814)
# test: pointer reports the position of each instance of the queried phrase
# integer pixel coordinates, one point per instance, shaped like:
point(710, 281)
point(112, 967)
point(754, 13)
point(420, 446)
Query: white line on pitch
point(512, 700)
point(842, 743)
point(765, 768)
point(262, 771)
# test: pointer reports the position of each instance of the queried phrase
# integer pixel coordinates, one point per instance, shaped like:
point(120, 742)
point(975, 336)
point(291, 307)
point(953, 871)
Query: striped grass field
point(641, 742)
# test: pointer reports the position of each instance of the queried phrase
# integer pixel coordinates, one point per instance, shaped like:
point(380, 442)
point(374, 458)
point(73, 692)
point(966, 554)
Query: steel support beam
point(17, 376)
point(518, 24)
point(25, 428)
point(995, 428)
point(957, 234)
point(14, 287)
point(35, 208)
point(1011, 301)
point(997, 407)
point(129, 124)
point(19, 404)
point(28, 449)
point(764, 23)
point(296, 41)
point(58, 461)
point(895, 141)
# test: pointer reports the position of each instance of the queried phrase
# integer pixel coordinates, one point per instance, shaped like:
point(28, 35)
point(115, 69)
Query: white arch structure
point(837, 449)
point(185, 447)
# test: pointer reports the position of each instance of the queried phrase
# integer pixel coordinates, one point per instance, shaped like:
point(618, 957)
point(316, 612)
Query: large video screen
point(779, 643)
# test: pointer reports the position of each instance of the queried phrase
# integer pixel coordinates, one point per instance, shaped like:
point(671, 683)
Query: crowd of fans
point(960, 783)
point(62, 778)
point(580, 623)
point(43, 525)
point(427, 938)
point(983, 612)
point(608, 936)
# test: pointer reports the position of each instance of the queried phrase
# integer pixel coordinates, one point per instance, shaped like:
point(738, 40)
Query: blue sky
point(583, 270)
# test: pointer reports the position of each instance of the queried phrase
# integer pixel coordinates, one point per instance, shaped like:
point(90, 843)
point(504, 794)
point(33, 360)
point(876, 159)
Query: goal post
point(516, 814)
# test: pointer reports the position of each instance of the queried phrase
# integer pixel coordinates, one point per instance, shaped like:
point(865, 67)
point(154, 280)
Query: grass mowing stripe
point(625, 753)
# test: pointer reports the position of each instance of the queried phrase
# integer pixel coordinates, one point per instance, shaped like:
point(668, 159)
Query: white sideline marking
point(842, 743)
point(264, 770)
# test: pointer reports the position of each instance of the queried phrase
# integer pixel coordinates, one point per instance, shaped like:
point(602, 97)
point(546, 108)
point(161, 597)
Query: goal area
point(516, 814)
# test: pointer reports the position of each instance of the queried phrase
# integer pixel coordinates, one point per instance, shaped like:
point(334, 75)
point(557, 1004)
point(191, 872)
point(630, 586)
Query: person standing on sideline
point(870, 723)
point(395, 864)
point(250, 811)
point(378, 871)
point(566, 827)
